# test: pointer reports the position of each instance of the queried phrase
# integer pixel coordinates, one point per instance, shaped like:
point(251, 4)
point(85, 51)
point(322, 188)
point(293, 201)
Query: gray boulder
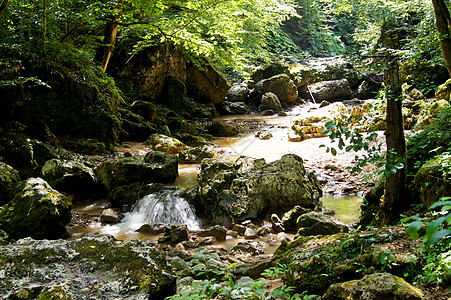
point(9, 177)
point(251, 188)
point(281, 85)
point(290, 218)
point(238, 93)
point(156, 167)
point(217, 231)
point(270, 101)
point(333, 90)
point(220, 128)
point(125, 196)
point(378, 286)
point(233, 108)
point(314, 223)
point(196, 155)
point(36, 211)
point(163, 143)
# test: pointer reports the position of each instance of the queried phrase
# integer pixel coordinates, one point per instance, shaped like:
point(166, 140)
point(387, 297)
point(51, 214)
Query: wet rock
point(314, 223)
point(220, 128)
point(163, 143)
point(178, 264)
point(238, 93)
point(157, 167)
point(290, 218)
point(270, 70)
point(152, 229)
point(190, 244)
point(145, 109)
point(263, 135)
point(196, 155)
point(334, 90)
point(36, 210)
point(217, 231)
point(250, 234)
point(249, 188)
point(9, 178)
point(239, 228)
point(111, 269)
point(72, 177)
point(253, 271)
point(247, 248)
point(277, 223)
point(373, 287)
point(281, 85)
point(175, 234)
point(270, 101)
point(110, 215)
point(207, 241)
point(125, 196)
point(264, 230)
point(233, 108)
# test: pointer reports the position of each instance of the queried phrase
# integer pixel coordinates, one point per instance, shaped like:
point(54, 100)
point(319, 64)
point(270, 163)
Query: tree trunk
point(443, 23)
point(395, 184)
point(3, 6)
point(104, 53)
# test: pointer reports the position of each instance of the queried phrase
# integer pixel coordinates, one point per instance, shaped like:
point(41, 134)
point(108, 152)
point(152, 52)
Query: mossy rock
point(221, 128)
point(270, 70)
point(135, 126)
point(17, 151)
point(444, 91)
point(96, 267)
point(160, 142)
point(431, 180)
point(36, 210)
point(196, 155)
point(9, 178)
point(145, 109)
point(125, 196)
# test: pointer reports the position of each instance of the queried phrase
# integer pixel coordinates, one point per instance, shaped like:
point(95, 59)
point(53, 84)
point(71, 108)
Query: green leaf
point(333, 151)
point(433, 226)
point(440, 203)
point(413, 228)
point(438, 235)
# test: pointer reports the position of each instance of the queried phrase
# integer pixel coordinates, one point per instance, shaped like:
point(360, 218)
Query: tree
point(443, 24)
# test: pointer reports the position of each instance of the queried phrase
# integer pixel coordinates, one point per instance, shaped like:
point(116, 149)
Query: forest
point(178, 149)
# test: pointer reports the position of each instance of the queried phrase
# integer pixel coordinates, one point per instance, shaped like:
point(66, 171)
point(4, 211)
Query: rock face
point(281, 85)
point(156, 167)
point(333, 90)
point(37, 211)
point(251, 188)
point(9, 177)
point(91, 267)
point(373, 287)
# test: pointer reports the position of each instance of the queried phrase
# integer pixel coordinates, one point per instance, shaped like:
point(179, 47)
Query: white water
point(165, 207)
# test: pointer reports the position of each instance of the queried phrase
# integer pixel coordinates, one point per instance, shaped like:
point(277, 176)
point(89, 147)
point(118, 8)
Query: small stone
point(263, 231)
point(239, 228)
point(207, 241)
point(110, 215)
point(250, 234)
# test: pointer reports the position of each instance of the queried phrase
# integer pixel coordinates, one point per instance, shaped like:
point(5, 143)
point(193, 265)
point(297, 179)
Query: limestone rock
point(314, 223)
point(196, 155)
point(238, 93)
point(251, 188)
point(281, 85)
point(333, 90)
point(37, 211)
point(157, 167)
point(110, 215)
point(233, 108)
point(220, 128)
point(289, 219)
point(270, 70)
point(376, 286)
point(270, 101)
point(217, 231)
point(163, 143)
point(175, 234)
point(9, 177)
point(207, 84)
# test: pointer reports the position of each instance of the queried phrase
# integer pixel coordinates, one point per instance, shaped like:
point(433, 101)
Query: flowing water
point(169, 207)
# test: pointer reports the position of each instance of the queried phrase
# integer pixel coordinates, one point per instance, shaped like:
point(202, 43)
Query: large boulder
point(251, 188)
point(88, 268)
point(333, 68)
point(161, 142)
point(37, 211)
point(233, 108)
point(221, 128)
point(333, 90)
point(270, 70)
point(373, 287)
point(314, 223)
point(9, 178)
point(207, 84)
point(71, 176)
point(270, 101)
point(196, 155)
point(238, 93)
point(281, 85)
point(155, 166)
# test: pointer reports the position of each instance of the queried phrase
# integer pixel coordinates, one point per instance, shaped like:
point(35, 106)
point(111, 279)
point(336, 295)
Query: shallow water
point(346, 207)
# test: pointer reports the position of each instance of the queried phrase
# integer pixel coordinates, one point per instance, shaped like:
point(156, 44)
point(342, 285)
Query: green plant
point(385, 258)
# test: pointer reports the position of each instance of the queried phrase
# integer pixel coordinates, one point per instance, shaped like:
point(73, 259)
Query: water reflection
point(347, 208)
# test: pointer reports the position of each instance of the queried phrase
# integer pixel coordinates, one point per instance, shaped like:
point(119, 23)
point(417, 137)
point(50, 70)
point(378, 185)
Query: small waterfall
point(167, 207)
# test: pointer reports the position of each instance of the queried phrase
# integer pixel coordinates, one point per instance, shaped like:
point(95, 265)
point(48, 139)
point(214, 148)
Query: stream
point(169, 207)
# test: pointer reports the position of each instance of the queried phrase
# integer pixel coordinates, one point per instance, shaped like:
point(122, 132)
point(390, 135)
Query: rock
point(314, 223)
point(270, 101)
point(217, 231)
point(207, 241)
point(254, 271)
point(281, 85)
point(179, 264)
point(247, 248)
point(264, 230)
point(367, 90)
point(270, 70)
point(233, 108)
point(429, 113)
point(444, 91)
point(263, 135)
point(175, 234)
point(324, 103)
point(152, 229)
point(290, 218)
point(250, 234)
point(239, 228)
point(125, 196)
point(374, 287)
point(157, 167)
point(72, 177)
point(196, 155)
point(145, 109)
point(220, 128)
point(331, 91)
point(110, 215)
point(9, 178)
point(208, 84)
point(333, 68)
point(96, 267)
point(36, 210)
point(135, 127)
point(16, 150)
point(163, 143)
point(238, 93)
point(251, 188)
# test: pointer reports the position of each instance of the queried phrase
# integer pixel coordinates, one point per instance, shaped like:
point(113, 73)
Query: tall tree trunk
point(3, 6)
point(443, 23)
point(395, 184)
point(104, 53)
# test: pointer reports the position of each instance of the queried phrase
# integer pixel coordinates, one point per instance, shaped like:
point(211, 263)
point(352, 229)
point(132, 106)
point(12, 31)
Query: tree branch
point(3, 6)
